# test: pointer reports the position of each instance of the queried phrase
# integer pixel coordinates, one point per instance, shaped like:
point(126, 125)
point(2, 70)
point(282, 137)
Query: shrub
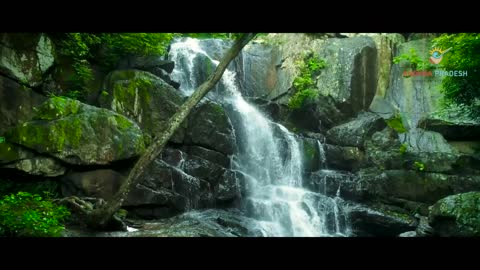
point(304, 83)
point(396, 123)
point(30, 215)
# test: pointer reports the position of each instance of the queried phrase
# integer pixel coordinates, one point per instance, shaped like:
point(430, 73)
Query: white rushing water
point(269, 156)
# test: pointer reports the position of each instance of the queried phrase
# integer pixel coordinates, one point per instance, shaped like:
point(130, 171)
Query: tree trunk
point(99, 218)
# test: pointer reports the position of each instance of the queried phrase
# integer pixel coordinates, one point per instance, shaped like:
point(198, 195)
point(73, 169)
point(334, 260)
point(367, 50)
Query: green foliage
point(30, 215)
point(297, 100)
point(50, 187)
point(414, 61)
point(105, 49)
point(403, 148)
point(104, 93)
point(396, 123)
point(304, 83)
point(315, 64)
point(464, 55)
point(419, 166)
point(75, 94)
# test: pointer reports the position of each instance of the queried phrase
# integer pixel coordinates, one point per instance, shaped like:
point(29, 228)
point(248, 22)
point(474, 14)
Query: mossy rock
point(457, 215)
point(42, 166)
point(210, 127)
point(144, 98)
point(78, 133)
point(355, 132)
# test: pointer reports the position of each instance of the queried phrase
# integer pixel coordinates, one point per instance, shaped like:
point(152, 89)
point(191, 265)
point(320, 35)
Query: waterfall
point(268, 154)
point(323, 157)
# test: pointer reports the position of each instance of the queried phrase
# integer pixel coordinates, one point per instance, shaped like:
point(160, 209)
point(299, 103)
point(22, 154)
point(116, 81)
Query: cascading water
point(268, 155)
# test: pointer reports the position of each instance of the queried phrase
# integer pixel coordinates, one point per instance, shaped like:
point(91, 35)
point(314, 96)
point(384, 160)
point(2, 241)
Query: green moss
point(57, 107)
point(398, 215)
point(54, 136)
point(122, 123)
point(299, 98)
point(124, 91)
point(465, 208)
point(218, 109)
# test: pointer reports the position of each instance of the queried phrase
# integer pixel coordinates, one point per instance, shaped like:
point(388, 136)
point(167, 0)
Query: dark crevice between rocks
point(121, 166)
point(3, 74)
point(13, 181)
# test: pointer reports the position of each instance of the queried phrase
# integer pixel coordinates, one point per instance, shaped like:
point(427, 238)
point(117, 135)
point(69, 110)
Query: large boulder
point(452, 130)
point(351, 73)
point(317, 115)
point(77, 133)
point(355, 132)
point(17, 103)
point(208, 154)
point(145, 202)
point(103, 183)
point(19, 158)
point(420, 140)
point(176, 182)
point(379, 221)
point(224, 183)
point(25, 57)
point(457, 215)
point(150, 63)
point(385, 151)
point(413, 185)
point(210, 127)
point(276, 111)
point(332, 183)
point(39, 165)
point(10, 153)
point(165, 173)
point(144, 98)
point(261, 62)
point(269, 64)
point(344, 157)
